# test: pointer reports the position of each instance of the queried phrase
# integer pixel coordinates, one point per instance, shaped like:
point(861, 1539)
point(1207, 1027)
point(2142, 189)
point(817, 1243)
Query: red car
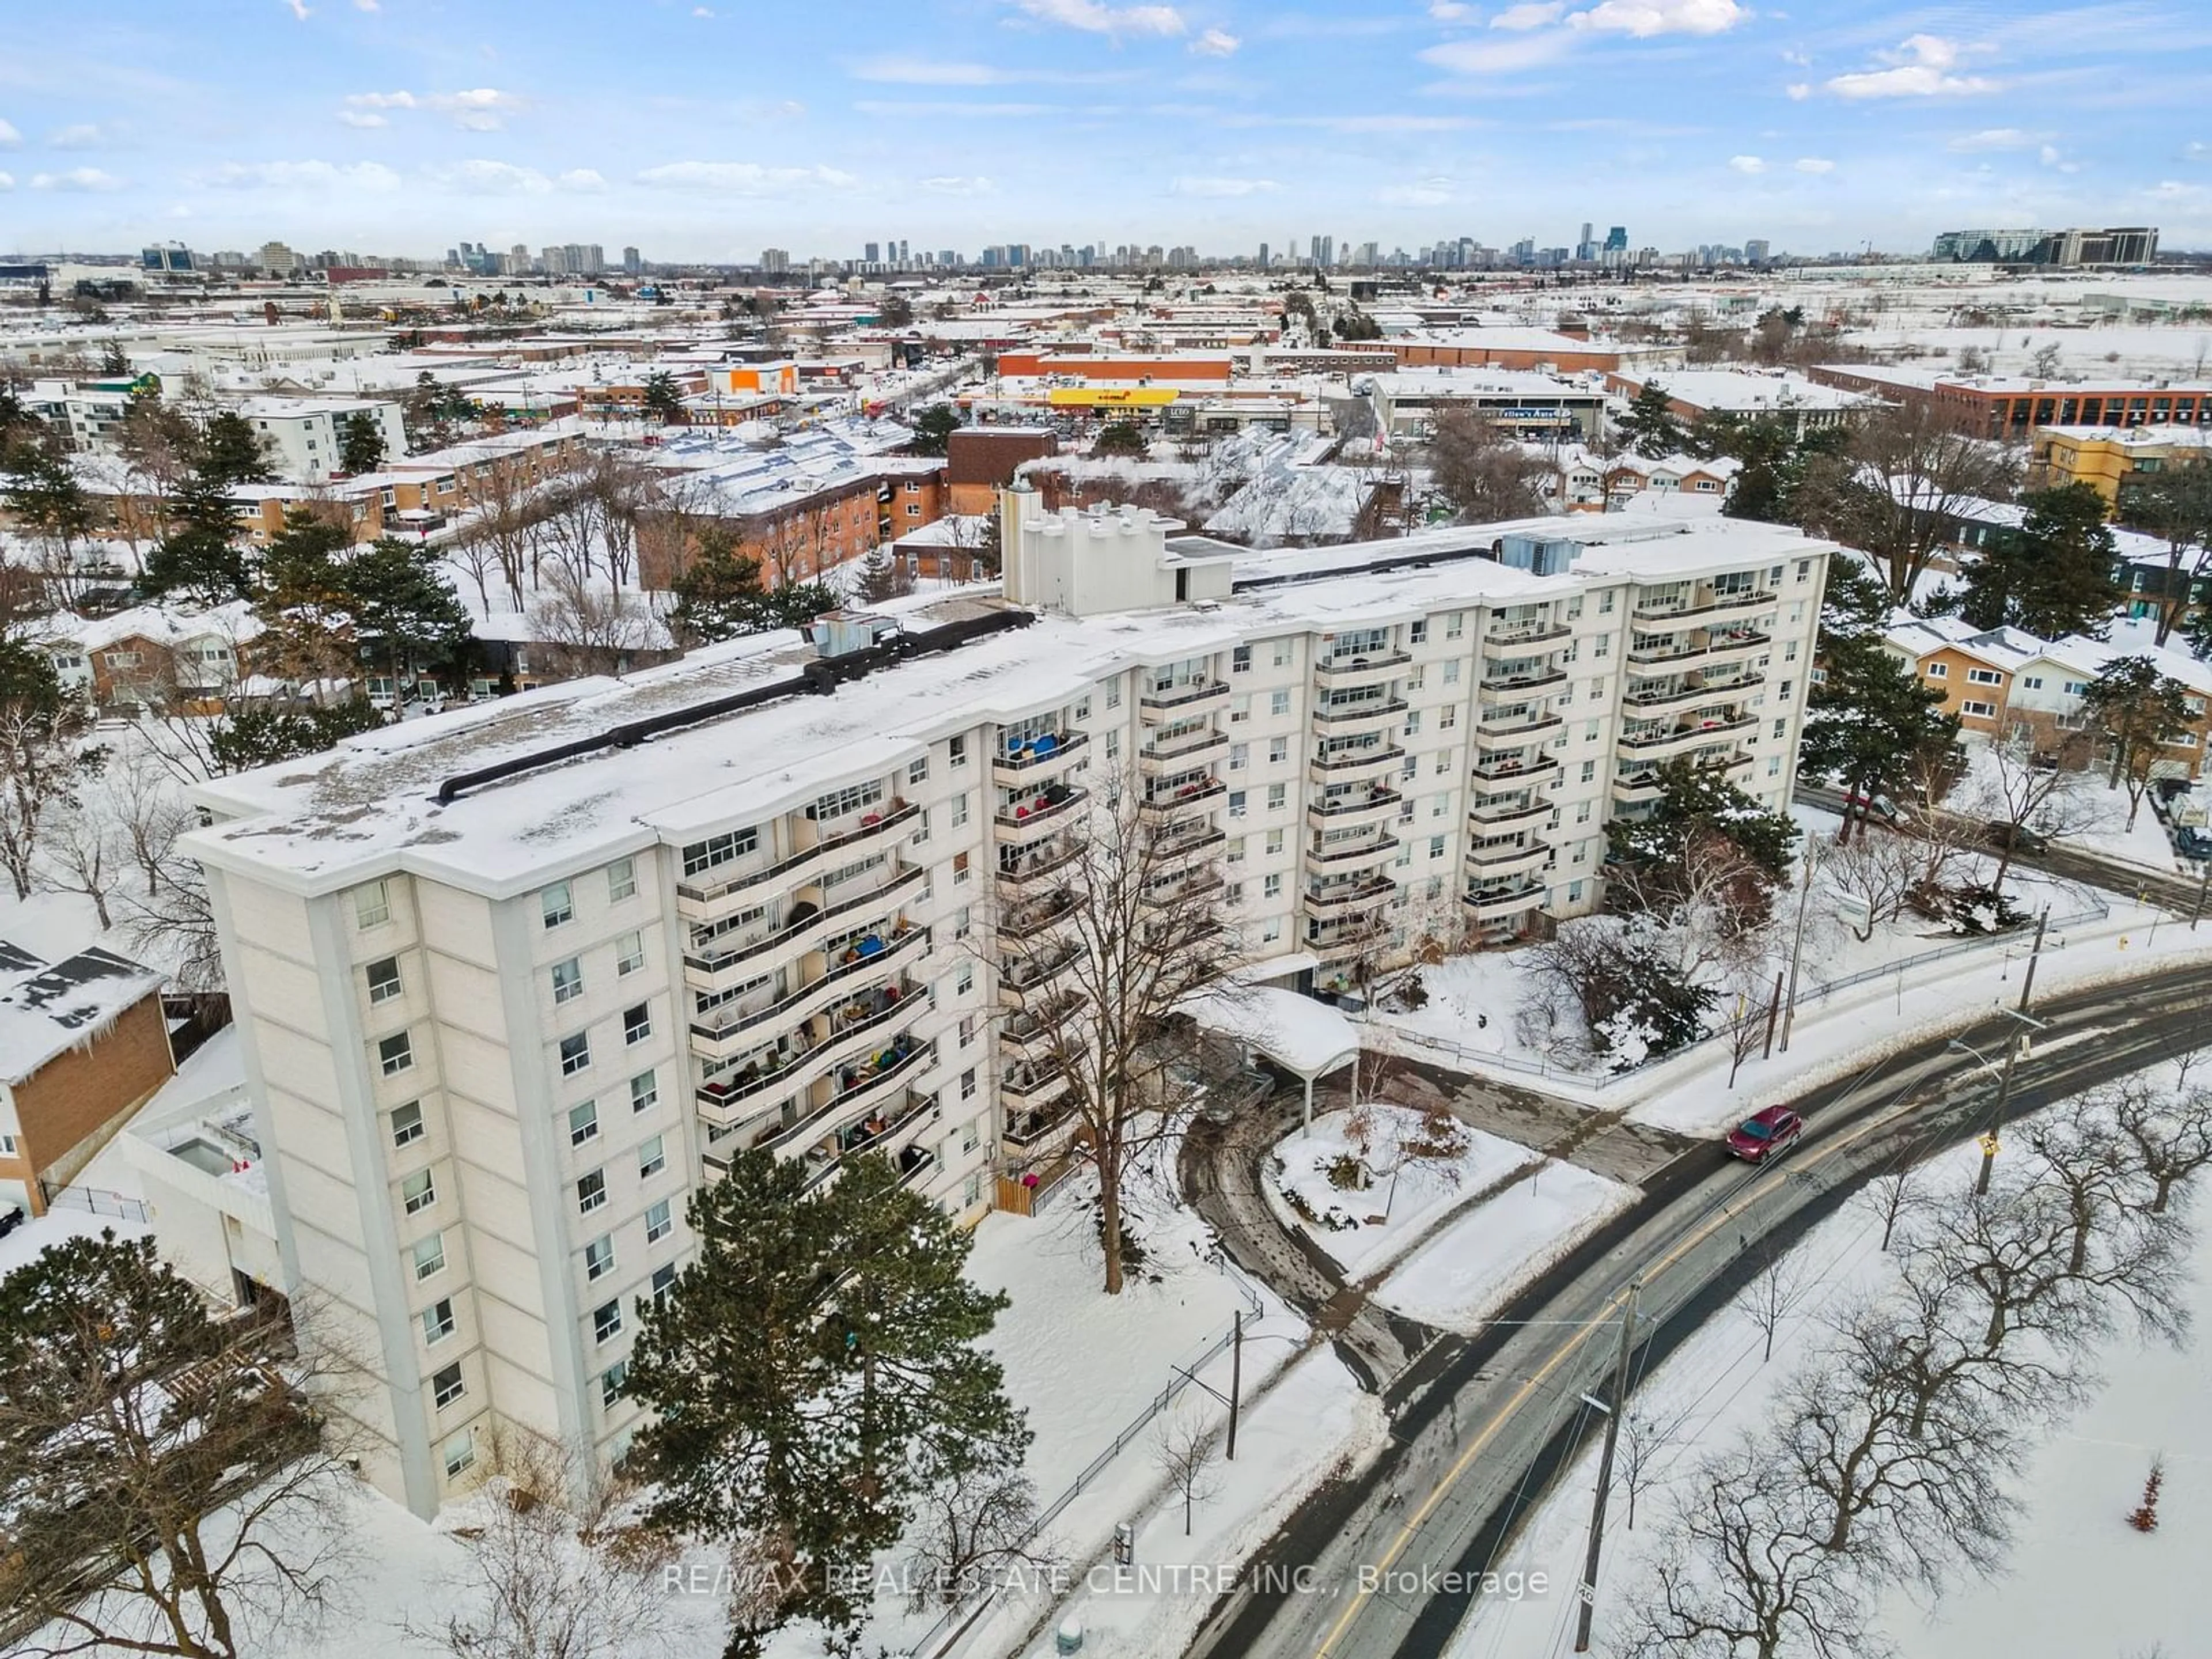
point(1771, 1134)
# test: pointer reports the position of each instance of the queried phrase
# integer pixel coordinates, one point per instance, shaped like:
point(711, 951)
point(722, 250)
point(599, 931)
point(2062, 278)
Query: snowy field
point(2080, 1583)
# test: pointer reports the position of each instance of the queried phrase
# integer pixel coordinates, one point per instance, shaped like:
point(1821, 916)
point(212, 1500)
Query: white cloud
point(1799, 92)
point(1815, 164)
point(589, 180)
point(7, 181)
point(2194, 150)
point(9, 136)
point(744, 177)
point(367, 5)
point(1920, 66)
point(1094, 17)
point(1216, 188)
point(2166, 190)
point(954, 184)
point(1499, 57)
point(1216, 43)
point(1421, 193)
point(483, 178)
point(362, 117)
point(1534, 14)
point(1450, 11)
point(1992, 138)
point(300, 10)
point(1646, 18)
point(85, 134)
point(702, 11)
point(1797, 59)
point(371, 176)
point(1747, 164)
point(76, 179)
point(478, 109)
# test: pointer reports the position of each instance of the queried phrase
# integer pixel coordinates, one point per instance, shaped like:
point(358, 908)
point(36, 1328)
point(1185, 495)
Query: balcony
point(1516, 725)
point(1183, 796)
point(1029, 1029)
point(1157, 702)
point(1488, 814)
point(1037, 916)
point(1343, 897)
point(1025, 1087)
point(1335, 938)
point(890, 1131)
point(1356, 765)
point(1031, 1130)
point(719, 1101)
point(1183, 747)
point(713, 1034)
point(1021, 869)
point(1370, 668)
point(1191, 886)
point(1495, 905)
point(1724, 649)
point(1667, 743)
point(1187, 839)
point(1713, 605)
point(1022, 976)
point(1033, 816)
point(1349, 719)
point(1514, 683)
point(1350, 853)
point(1503, 638)
point(1516, 768)
point(693, 899)
point(1353, 809)
point(709, 967)
point(1037, 759)
point(855, 1088)
point(1497, 862)
point(1713, 652)
point(1668, 698)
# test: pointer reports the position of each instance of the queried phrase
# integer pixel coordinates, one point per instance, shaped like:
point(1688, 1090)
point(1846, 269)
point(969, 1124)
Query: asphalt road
point(1480, 1426)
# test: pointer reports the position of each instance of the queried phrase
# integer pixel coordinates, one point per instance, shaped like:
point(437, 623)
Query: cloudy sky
point(709, 129)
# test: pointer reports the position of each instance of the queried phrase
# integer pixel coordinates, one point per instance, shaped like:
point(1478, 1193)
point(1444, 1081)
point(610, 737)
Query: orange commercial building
point(2011, 407)
point(1182, 366)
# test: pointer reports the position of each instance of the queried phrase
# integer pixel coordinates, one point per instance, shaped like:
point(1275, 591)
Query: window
point(664, 1283)
point(966, 1030)
point(606, 1321)
point(964, 981)
point(583, 1123)
point(417, 1193)
point(599, 1257)
point(1278, 750)
point(724, 849)
point(459, 1455)
point(1113, 694)
point(1590, 771)
point(438, 1322)
point(1240, 756)
point(960, 809)
point(1274, 842)
point(1232, 851)
point(428, 1256)
point(917, 771)
point(407, 1123)
point(1240, 660)
point(568, 980)
point(1938, 671)
point(1984, 676)
point(395, 1055)
point(621, 880)
point(645, 1091)
point(612, 1378)
point(576, 1053)
point(1976, 710)
point(1232, 894)
point(446, 1386)
point(2032, 682)
point(1282, 653)
point(1271, 886)
point(591, 1192)
point(556, 906)
point(955, 749)
point(1436, 847)
point(651, 1159)
point(1443, 761)
point(660, 1222)
point(384, 980)
point(630, 954)
point(1417, 633)
point(1278, 796)
point(1236, 803)
point(961, 869)
point(637, 1023)
point(968, 1085)
point(1278, 703)
point(371, 905)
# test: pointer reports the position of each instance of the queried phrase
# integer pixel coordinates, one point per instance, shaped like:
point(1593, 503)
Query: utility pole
point(1990, 1143)
point(1605, 1465)
point(1236, 1383)
point(2202, 882)
point(2027, 981)
point(1797, 946)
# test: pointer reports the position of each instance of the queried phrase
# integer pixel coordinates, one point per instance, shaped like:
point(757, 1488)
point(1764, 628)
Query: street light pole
point(1796, 948)
point(1605, 1466)
point(1996, 1114)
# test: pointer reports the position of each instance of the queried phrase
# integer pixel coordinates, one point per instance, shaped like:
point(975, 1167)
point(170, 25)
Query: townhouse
point(2117, 462)
point(1801, 404)
point(151, 653)
point(802, 895)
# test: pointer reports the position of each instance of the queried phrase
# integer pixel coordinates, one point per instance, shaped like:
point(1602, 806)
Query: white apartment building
point(512, 980)
point(303, 432)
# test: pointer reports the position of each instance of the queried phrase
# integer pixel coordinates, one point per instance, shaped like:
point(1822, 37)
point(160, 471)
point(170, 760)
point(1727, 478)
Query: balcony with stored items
point(728, 1028)
point(1346, 895)
point(1691, 601)
point(1496, 901)
point(1514, 722)
point(720, 956)
point(1518, 765)
point(1705, 647)
point(1667, 691)
point(1638, 782)
point(1182, 743)
point(1026, 865)
point(1350, 715)
point(1507, 807)
point(1495, 861)
point(1032, 1086)
point(738, 1085)
point(1030, 814)
point(1023, 760)
point(1338, 849)
point(1029, 920)
point(1521, 676)
point(1167, 694)
point(1335, 937)
point(1183, 791)
point(1366, 760)
point(1186, 887)
point(1185, 838)
point(1670, 740)
point(844, 1097)
point(1021, 977)
point(1035, 1131)
point(1036, 1026)
point(892, 1129)
point(698, 898)
point(1354, 806)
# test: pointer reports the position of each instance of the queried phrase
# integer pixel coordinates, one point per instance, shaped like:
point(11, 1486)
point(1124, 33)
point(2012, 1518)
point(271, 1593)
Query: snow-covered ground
point(2080, 1581)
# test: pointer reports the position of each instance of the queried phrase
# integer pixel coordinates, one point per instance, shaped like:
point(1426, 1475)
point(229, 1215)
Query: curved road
point(1479, 1426)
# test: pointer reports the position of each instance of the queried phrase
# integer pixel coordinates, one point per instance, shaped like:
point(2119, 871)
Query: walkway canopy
point(1306, 1038)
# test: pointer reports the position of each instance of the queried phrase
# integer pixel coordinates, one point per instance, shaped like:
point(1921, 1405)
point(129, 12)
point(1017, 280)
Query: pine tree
point(2055, 575)
point(664, 402)
point(402, 601)
point(2138, 711)
point(360, 443)
point(933, 426)
point(719, 595)
point(1650, 427)
point(232, 451)
point(812, 1372)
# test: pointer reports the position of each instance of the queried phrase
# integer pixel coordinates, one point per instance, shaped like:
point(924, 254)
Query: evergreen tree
point(42, 492)
point(1870, 720)
point(719, 594)
point(812, 1373)
point(360, 443)
point(252, 736)
point(1121, 437)
point(200, 557)
point(402, 603)
point(1650, 427)
point(1695, 800)
point(663, 401)
point(2055, 575)
point(933, 426)
point(2138, 711)
point(232, 451)
point(2177, 504)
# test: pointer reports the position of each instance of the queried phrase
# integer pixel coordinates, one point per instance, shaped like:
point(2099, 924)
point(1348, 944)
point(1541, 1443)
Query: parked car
point(2013, 837)
point(1769, 1134)
point(11, 1218)
point(2192, 843)
point(1878, 806)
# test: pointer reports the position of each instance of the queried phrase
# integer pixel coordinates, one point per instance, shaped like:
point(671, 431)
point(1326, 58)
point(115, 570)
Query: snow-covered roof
point(48, 1008)
point(158, 624)
point(1737, 390)
point(1306, 1038)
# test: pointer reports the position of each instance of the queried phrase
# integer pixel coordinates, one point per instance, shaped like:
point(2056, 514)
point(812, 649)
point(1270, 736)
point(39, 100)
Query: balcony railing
point(901, 944)
point(1686, 733)
point(1020, 1084)
point(1490, 903)
point(714, 961)
point(1025, 974)
point(1382, 754)
point(1366, 708)
point(1052, 803)
point(1184, 694)
point(1375, 846)
point(1525, 634)
point(1673, 696)
point(1749, 600)
point(1493, 770)
point(1184, 795)
point(1039, 751)
point(1036, 863)
point(872, 825)
point(867, 1083)
point(870, 1133)
point(1492, 684)
point(1504, 855)
point(1361, 663)
point(1030, 1025)
point(1189, 886)
point(1334, 899)
point(1184, 745)
point(1509, 811)
point(1515, 725)
point(1367, 800)
point(1027, 921)
point(1026, 1129)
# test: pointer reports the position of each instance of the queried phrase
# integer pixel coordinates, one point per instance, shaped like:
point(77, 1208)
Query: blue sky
point(707, 128)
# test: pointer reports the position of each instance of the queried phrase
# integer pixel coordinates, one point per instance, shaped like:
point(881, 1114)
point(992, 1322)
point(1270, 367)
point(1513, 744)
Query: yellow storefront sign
point(1111, 397)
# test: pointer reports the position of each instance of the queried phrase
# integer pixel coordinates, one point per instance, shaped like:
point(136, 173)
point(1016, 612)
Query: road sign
point(1989, 1146)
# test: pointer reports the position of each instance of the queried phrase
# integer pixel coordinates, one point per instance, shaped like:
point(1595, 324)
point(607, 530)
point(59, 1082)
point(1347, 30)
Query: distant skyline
point(710, 131)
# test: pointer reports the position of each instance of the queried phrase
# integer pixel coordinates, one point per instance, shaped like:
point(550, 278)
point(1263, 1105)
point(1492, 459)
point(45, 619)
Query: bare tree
point(545, 1583)
point(1482, 473)
point(980, 1519)
point(44, 763)
point(510, 507)
point(622, 489)
point(574, 528)
point(2169, 1138)
point(168, 1487)
point(1182, 1451)
point(590, 629)
point(1894, 1196)
point(81, 857)
point(1881, 872)
point(1125, 922)
point(1648, 1436)
point(2034, 783)
point(1781, 1287)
